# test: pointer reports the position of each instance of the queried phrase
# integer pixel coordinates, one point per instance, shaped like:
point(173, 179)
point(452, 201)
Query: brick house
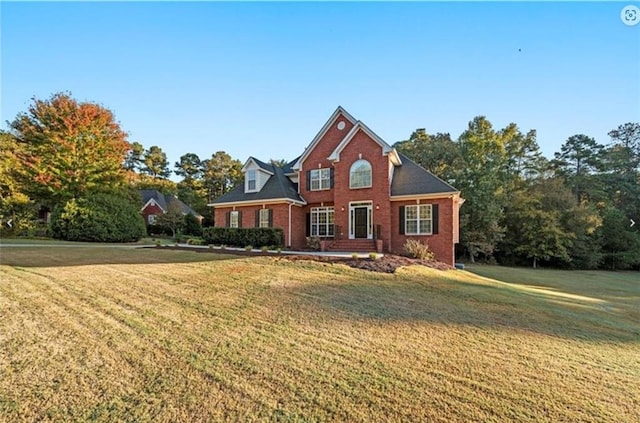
point(155, 203)
point(351, 189)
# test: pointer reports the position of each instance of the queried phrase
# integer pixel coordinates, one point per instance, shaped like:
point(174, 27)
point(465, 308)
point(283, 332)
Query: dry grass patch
point(152, 335)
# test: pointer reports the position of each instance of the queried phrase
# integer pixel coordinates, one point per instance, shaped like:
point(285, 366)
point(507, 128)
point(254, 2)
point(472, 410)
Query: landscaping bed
point(385, 264)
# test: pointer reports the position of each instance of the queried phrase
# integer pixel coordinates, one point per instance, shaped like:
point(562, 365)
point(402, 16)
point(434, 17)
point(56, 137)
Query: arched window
point(360, 174)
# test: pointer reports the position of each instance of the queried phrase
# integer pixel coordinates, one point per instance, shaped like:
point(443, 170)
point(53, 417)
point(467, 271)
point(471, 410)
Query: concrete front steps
point(353, 245)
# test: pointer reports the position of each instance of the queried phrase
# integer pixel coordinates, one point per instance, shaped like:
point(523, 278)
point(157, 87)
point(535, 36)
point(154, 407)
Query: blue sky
point(261, 79)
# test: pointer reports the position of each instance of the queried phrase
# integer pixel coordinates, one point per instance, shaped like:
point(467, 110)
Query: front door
point(361, 223)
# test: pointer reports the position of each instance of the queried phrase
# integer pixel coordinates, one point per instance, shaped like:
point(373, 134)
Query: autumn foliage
point(68, 149)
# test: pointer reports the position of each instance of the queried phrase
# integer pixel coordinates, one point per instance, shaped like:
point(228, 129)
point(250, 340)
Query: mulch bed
point(386, 264)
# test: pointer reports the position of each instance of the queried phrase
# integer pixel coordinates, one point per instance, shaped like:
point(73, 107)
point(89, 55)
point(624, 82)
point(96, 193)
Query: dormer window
point(360, 174)
point(251, 180)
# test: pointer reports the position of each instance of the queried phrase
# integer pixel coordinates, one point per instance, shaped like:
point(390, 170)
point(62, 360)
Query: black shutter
point(434, 218)
point(308, 230)
point(228, 223)
point(308, 180)
point(271, 218)
point(401, 220)
point(331, 177)
point(257, 225)
point(239, 219)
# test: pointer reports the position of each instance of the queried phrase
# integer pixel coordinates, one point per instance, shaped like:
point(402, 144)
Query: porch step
point(353, 245)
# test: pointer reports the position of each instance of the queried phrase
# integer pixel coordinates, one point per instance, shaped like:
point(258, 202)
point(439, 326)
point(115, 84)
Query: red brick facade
point(337, 148)
point(151, 209)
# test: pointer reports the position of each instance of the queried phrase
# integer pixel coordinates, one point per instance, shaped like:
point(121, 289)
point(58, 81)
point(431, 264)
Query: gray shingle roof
point(164, 201)
point(413, 179)
point(278, 186)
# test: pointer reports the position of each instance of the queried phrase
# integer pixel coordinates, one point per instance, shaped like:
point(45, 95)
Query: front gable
point(152, 204)
point(326, 140)
point(361, 128)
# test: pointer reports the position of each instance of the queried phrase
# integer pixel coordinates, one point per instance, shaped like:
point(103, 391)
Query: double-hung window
point(322, 221)
point(233, 219)
point(320, 179)
point(264, 218)
point(418, 220)
point(251, 180)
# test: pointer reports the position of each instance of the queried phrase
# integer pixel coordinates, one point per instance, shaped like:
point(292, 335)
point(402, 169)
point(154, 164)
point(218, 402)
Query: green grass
point(104, 334)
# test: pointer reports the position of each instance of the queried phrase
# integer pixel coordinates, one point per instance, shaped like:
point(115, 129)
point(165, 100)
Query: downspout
point(289, 236)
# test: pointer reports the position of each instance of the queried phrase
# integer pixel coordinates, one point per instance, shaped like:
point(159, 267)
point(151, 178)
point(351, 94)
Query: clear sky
point(261, 79)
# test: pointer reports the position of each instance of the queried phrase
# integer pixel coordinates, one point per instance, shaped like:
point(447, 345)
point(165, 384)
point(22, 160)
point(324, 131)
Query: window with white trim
point(360, 174)
point(320, 179)
point(418, 220)
point(152, 219)
point(322, 221)
point(264, 218)
point(251, 180)
point(233, 219)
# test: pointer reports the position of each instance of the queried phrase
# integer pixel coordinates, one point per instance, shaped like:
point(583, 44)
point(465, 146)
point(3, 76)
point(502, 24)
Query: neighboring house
point(156, 203)
point(351, 189)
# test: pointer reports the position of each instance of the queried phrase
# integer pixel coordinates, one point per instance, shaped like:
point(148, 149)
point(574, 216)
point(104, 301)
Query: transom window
point(264, 218)
point(322, 221)
point(417, 220)
point(251, 180)
point(360, 174)
point(233, 219)
point(320, 179)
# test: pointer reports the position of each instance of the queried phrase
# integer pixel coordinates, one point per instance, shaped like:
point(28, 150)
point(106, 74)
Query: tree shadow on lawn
point(448, 301)
point(82, 255)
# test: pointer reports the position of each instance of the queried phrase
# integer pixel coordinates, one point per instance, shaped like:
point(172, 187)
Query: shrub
point(241, 237)
point(98, 218)
point(192, 225)
point(373, 256)
point(248, 248)
point(195, 241)
point(417, 249)
point(313, 242)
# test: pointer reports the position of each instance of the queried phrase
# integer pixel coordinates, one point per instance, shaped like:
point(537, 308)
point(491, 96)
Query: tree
point(68, 149)
point(621, 170)
point(539, 232)
point(16, 208)
point(191, 189)
point(436, 153)
point(524, 159)
point(155, 162)
point(165, 186)
point(221, 174)
point(482, 181)
point(173, 219)
point(579, 157)
point(133, 160)
point(620, 243)
point(189, 167)
point(278, 162)
point(625, 140)
point(544, 222)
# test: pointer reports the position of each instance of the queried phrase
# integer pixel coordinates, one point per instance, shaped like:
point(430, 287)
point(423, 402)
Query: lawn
point(108, 334)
